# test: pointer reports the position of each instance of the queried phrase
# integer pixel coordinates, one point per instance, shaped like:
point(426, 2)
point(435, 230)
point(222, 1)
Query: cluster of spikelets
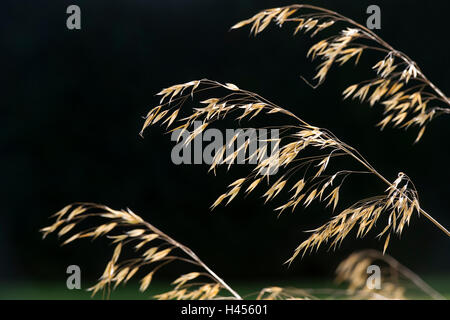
point(280, 293)
point(153, 250)
point(408, 97)
point(306, 178)
point(399, 203)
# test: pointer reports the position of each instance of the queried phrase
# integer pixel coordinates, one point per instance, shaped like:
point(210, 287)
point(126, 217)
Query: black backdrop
point(72, 103)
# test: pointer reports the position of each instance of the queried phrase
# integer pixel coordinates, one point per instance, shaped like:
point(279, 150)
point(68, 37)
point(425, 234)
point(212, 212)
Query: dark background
point(72, 107)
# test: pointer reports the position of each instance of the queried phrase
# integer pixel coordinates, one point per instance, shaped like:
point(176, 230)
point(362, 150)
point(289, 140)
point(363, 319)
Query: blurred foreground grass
point(58, 291)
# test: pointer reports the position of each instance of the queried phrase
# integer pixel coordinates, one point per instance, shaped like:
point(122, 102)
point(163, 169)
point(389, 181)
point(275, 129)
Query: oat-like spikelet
point(394, 276)
point(307, 178)
point(408, 96)
point(153, 250)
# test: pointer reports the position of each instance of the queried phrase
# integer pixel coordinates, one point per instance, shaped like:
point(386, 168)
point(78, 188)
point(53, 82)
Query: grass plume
point(353, 270)
point(153, 249)
point(398, 203)
point(408, 96)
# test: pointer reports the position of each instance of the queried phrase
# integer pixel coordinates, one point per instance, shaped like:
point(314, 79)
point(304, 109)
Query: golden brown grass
point(397, 282)
point(153, 249)
point(353, 271)
point(397, 203)
point(408, 96)
point(409, 99)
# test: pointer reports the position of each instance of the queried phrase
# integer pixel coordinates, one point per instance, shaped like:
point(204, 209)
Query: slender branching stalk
point(398, 203)
point(408, 96)
point(153, 248)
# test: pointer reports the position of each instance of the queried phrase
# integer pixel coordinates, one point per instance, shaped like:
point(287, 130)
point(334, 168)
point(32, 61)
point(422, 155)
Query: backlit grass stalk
point(408, 96)
point(153, 248)
point(398, 203)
